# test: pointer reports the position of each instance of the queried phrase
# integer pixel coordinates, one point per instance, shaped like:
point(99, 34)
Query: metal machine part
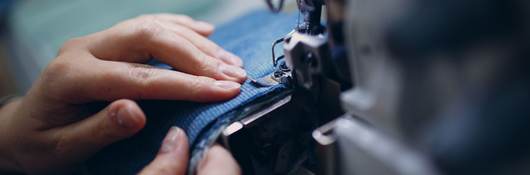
point(282, 75)
point(426, 91)
point(277, 140)
point(349, 146)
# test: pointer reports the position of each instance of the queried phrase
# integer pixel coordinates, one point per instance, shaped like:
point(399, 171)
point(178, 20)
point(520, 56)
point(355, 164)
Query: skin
point(173, 158)
point(51, 130)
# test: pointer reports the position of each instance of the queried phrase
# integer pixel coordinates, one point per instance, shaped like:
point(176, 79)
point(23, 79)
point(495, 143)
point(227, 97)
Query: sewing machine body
point(374, 94)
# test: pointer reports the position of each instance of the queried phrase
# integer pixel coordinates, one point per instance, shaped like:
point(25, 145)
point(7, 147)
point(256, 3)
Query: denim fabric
point(249, 37)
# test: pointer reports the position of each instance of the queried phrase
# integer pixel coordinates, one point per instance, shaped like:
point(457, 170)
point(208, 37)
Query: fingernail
point(124, 117)
point(204, 25)
point(233, 71)
point(227, 84)
point(171, 141)
point(230, 58)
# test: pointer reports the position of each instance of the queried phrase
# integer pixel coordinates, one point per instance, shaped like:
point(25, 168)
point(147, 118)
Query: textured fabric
point(249, 37)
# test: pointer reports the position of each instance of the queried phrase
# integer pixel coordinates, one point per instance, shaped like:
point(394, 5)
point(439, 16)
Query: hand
point(172, 158)
point(51, 128)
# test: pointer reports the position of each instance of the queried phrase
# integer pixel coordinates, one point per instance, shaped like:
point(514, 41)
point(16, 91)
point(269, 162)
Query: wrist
point(7, 161)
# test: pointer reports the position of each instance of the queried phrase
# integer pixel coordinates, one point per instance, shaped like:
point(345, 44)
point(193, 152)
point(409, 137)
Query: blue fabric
point(249, 37)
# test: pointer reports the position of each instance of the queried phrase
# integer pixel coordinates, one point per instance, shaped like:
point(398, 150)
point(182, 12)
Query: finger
point(183, 55)
point(218, 161)
point(201, 27)
point(206, 45)
point(108, 80)
point(121, 119)
point(155, 40)
point(172, 158)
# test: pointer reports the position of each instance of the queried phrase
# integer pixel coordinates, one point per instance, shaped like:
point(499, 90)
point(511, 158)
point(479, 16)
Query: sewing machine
point(394, 87)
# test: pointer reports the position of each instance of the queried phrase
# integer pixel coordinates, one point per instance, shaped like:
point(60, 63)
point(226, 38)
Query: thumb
point(172, 158)
point(218, 161)
point(119, 120)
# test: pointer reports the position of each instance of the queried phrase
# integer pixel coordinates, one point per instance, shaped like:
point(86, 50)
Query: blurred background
point(31, 31)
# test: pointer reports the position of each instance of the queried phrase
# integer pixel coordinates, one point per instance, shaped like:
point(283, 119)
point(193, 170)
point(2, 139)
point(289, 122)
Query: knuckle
point(143, 78)
point(181, 31)
point(184, 18)
point(140, 72)
point(70, 44)
point(59, 79)
point(209, 66)
point(148, 28)
point(57, 67)
point(57, 70)
point(212, 48)
point(61, 145)
point(198, 85)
